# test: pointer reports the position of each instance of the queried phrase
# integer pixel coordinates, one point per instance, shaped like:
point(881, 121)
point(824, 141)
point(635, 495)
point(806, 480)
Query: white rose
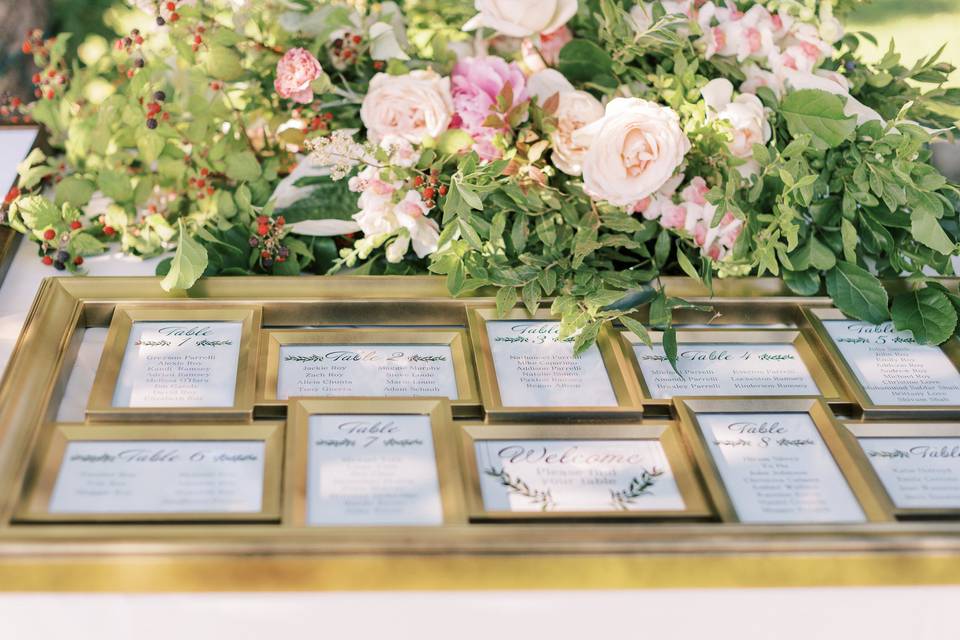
point(746, 116)
point(412, 106)
point(544, 84)
point(633, 151)
point(575, 110)
point(522, 18)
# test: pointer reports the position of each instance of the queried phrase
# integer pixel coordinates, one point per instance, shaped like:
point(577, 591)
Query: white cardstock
point(136, 477)
point(726, 369)
point(366, 370)
point(536, 369)
point(777, 468)
point(576, 475)
point(372, 470)
point(179, 364)
point(918, 473)
point(892, 367)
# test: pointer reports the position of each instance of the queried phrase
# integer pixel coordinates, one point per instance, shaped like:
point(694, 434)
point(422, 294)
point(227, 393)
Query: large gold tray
point(145, 557)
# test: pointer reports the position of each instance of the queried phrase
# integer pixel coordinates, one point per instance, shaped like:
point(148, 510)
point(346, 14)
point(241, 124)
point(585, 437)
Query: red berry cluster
point(53, 249)
point(345, 49)
point(430, 188)
point(167, 12)
point(202, 184)
point(46, 83)
point(198, 37)
point(267, 240)
point(155, 110)
point(133, 46)
point(13, 110)
point(34, 44)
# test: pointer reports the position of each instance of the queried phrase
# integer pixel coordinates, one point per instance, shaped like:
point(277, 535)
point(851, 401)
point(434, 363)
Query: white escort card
point(918, 473)
point(366, 370)
point(726, 369)
point(777, 469)
point(138, 477)
point(15, 145)
point(892, 367)
point(536, 369)
point(372, 470)
point(569, 475)
point(179, 364)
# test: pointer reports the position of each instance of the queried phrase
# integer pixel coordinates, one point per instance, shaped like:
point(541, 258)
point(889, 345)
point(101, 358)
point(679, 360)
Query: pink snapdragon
point(476, 83)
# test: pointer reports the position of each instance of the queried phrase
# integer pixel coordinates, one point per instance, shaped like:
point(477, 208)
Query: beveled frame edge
point(294, 510)
point(625, 387)
point(457, 338)
point(827, 426)
point(100, 404)
point(686, 476)
point(33, 503)
point(830, 387)
point(852, 432)
point(815, 316)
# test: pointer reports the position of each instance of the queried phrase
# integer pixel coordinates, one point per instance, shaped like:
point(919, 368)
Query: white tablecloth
point(768, 614)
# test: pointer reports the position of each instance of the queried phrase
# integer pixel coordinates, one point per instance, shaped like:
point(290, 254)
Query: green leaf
point(857, 293)
point(638, 330)
point(224, 64)
point(115, 185)
point(188, 264)
point(670, 347)
point(84, 244)
point(848, 233)
point(454, 141)
point(585, 61)
point(926, 230)
point(243, 166)
point(821, 257)
point(506, 300)
point(819, 114)
point(803, 283)
point(531, 296)
point(150, 145)
point(74, 190)
point(38, 213)
point(687, 266)
point(927, 313)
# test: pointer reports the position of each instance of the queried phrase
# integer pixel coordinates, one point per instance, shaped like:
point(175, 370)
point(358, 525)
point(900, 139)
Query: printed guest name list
point(535, 368)
point(179, 364)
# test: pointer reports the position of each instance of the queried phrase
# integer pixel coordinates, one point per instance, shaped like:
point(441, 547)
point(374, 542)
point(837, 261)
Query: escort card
point(138, 477)
point(726, 369)
point(918, 473)
point(569, 475)
point(536, 369)
point(367, 370)
point(777, 469)
point(892, 368)
point(179, 364)
point(372, 470)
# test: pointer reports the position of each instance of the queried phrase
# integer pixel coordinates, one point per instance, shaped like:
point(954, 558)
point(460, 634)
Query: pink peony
point(296, 71)
point(476, 83)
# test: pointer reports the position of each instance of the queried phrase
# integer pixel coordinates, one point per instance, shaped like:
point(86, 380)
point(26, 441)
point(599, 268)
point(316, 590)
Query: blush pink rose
point(296, 71)
point(476, 83)
point(551, 44)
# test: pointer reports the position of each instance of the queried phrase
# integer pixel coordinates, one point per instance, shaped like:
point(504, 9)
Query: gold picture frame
point(697, 507)
point(625, 387)
point(688, 410)
point(823, 376)
point(273, 340)
point(855, 389)
point(853, 432)
point(100, 406)
point(297, 451)
point(45, 470)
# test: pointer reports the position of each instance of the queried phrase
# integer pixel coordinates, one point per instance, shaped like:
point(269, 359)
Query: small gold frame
point(625, 387)
point(45, 470)
point(688, 410)
point(272, 341)
point(100, 406)
point(855, 390)
point(684, 474)
point(822, 376)
point(297, 451)
point(853, 432)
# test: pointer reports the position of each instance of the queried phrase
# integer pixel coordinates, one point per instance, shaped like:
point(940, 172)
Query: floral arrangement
point(548, 148)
